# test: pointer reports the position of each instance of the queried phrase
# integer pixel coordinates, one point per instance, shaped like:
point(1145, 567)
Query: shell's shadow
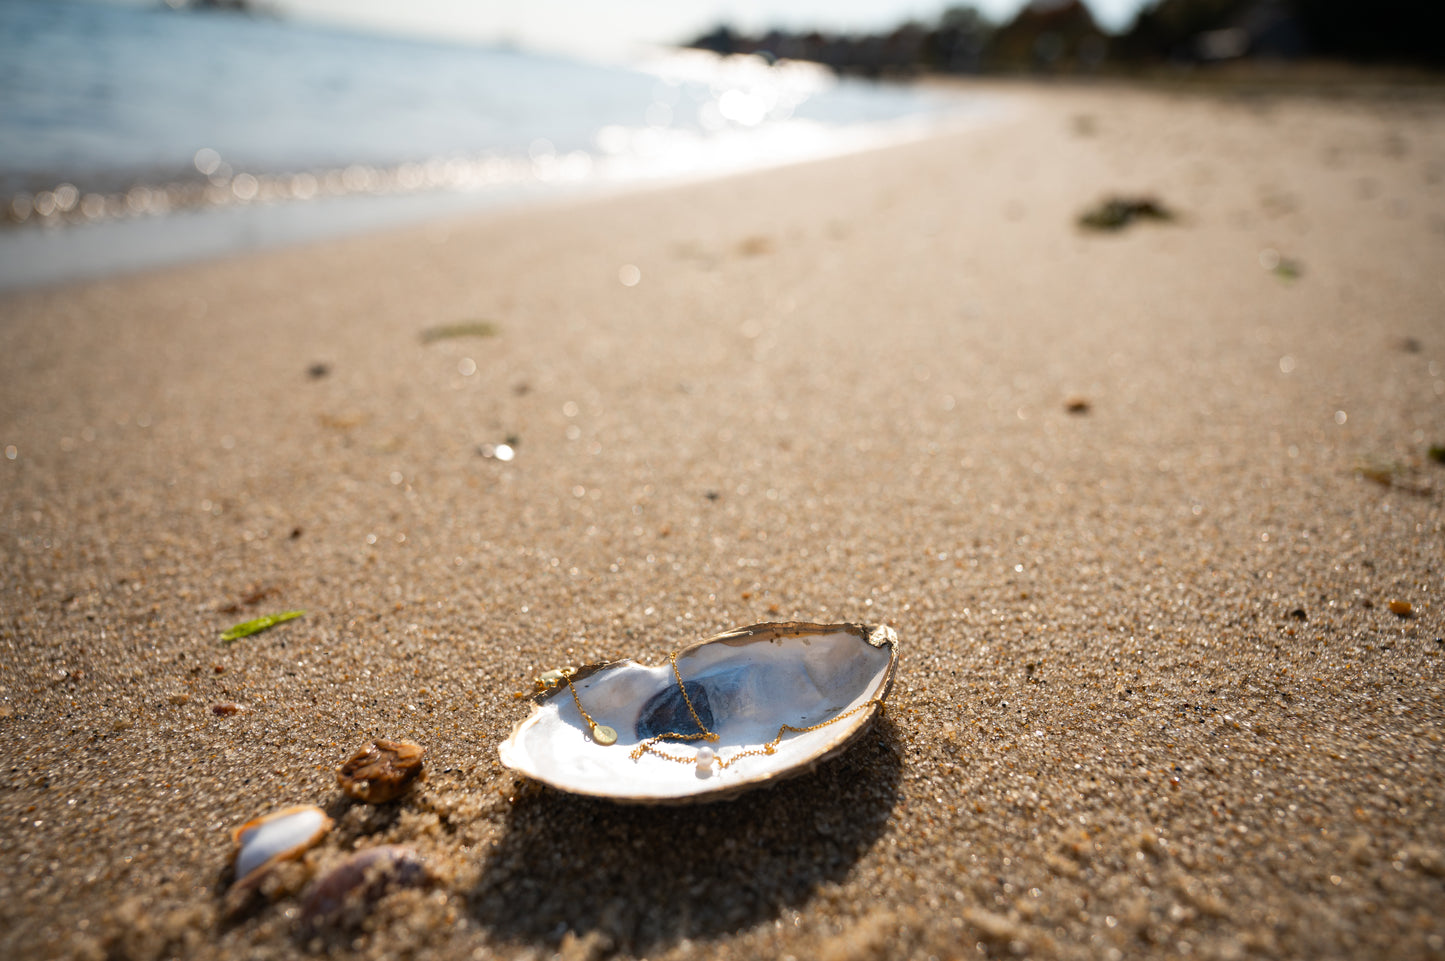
point(642, 878)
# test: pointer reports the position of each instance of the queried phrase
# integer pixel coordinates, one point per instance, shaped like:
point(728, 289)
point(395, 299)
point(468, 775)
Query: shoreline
point(44, 254)
point(1136, 504)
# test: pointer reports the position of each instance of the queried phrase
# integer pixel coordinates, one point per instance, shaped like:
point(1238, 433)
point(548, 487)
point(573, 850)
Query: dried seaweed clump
point(1116, 213)
point(381, 771)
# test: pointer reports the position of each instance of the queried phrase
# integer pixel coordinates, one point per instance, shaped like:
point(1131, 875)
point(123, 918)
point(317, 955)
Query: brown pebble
point(381, 771)
point(228, 708)
point(1402, 608)
point(1076, 405)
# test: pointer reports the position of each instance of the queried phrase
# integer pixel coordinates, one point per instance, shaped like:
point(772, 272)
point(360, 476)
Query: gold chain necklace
point(550, 680)
point(706, 757)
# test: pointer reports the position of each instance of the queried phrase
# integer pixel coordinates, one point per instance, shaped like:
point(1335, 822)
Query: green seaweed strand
point(247, 628)
point(469, 328)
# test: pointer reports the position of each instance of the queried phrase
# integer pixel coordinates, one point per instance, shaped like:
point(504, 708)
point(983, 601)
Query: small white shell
point(747, 683)
point(279, 836)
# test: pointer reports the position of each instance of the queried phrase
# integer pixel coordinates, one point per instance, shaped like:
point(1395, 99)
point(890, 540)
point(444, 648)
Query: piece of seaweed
point(1116, 213)
point(247, 628)
point(469, 328)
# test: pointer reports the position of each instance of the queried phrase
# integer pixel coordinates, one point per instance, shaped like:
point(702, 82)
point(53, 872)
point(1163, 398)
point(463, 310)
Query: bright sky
point(614, 28)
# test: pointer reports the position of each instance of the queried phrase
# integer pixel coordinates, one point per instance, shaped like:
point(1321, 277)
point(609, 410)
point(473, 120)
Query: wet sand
point(1136, 503)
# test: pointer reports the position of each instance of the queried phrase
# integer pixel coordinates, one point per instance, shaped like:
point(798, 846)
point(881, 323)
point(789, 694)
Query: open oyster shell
point(743, 684)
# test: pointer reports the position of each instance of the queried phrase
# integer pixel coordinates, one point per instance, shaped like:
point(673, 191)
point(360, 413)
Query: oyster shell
point(778, 697)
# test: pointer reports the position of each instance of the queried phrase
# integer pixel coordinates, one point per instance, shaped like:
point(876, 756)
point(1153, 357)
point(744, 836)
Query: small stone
point(1401, 608)
point(381, 771)
point(228, 709)
point(1077, 405)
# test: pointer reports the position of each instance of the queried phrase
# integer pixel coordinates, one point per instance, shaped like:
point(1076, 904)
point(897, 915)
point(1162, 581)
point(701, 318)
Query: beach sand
point(1136, 503)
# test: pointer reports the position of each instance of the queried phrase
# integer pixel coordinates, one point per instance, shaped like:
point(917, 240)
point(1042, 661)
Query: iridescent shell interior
point(744, 685)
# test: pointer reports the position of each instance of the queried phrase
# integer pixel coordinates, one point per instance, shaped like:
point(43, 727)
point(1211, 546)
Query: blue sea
point(132, 136)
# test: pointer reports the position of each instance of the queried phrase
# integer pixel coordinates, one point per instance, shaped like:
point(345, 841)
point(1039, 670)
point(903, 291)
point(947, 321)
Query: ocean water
point(138, 135)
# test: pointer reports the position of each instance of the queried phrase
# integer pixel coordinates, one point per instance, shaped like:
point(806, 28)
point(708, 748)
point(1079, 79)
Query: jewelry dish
point(728, 713)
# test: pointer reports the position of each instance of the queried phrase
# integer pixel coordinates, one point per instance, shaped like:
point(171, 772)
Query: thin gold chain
point(649, 746)
point(601, 733)
point(573, 688)
point(605, 735)
point(703, 733)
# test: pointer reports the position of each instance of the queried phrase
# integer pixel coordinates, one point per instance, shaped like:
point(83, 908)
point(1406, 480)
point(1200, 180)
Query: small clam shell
point(279, 836)
point(381, 771)
point(361, 879)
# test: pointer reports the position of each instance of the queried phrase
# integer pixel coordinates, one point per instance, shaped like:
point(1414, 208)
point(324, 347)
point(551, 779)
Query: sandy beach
point(1137, 504)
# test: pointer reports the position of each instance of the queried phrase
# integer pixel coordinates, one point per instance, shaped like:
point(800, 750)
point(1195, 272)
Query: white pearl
point(705, 756)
